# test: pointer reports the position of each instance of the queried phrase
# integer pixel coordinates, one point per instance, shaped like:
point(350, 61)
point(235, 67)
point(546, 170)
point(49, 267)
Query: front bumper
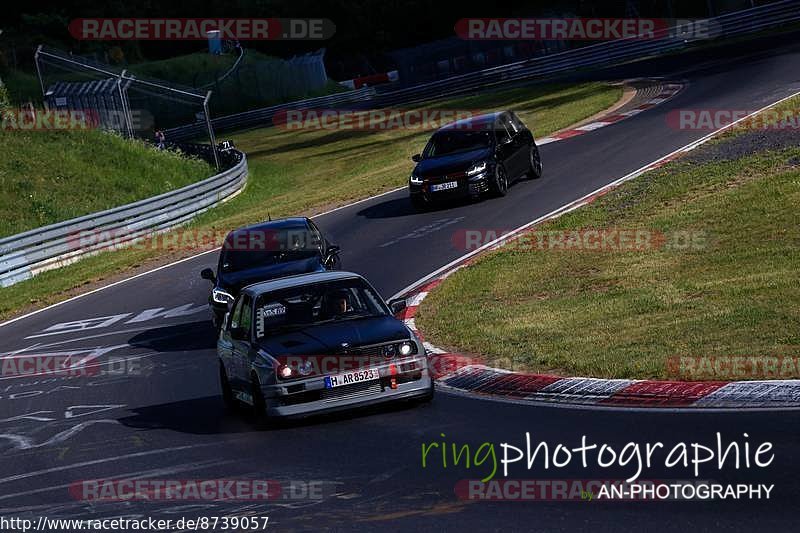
point(304, 397)
point(471, 187)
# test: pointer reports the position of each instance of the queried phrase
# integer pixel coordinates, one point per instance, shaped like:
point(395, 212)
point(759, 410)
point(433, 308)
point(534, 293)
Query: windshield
point(319, 303)
point(453, 142)
point(250, 249)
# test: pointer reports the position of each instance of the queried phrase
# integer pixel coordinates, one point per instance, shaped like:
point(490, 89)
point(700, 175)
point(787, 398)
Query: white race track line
point(565, 208)
point(686, 148)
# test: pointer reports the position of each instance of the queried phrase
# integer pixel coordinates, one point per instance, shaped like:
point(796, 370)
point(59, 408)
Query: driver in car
point(338, 303)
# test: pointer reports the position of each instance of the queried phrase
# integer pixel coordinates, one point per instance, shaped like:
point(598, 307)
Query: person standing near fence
point(160, 139)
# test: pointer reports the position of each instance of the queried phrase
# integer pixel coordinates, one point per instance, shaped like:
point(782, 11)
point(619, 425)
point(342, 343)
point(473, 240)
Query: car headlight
point(416, 180)
point(221, 297)
point(401, 348)
point(476, 169)
point(285, 371)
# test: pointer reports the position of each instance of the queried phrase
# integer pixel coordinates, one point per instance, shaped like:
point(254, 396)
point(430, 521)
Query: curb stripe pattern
point(667, 92)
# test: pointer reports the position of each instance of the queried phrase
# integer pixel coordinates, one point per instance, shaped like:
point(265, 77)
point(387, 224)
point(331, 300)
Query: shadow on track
point(208, 416)
point(179, 338)
point(401, 207)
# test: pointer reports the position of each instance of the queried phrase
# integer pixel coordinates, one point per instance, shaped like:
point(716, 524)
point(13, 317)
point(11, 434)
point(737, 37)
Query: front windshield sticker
point(268, 312)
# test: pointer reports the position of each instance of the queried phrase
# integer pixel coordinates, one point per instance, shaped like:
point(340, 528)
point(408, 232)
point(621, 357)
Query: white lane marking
point(106, 321)
point(686, 148)
point(142, 474)
point(546, 140)
point(23, 442)
point(45, 471)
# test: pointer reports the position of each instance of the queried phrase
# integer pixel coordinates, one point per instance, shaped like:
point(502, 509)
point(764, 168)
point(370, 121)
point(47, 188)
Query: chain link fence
point(117, 100)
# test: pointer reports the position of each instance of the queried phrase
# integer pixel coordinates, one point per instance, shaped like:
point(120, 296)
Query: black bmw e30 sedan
point(474, 156)
point(317, 343)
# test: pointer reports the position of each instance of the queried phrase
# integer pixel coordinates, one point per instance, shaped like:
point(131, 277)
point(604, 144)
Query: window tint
point(246, 317)
point(236, 314)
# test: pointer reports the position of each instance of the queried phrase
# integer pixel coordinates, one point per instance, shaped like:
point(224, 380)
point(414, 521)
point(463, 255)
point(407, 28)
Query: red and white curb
point(463, 373)
point(667, 92)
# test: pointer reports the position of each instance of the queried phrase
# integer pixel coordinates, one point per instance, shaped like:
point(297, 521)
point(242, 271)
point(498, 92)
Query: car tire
point(227, 392)
point(535, 171)
point(428, 398)
point(419, 204)
point(259, 403)
point(500, 181)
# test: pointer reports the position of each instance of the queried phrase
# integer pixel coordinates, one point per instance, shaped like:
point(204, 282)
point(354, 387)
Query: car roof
point(299, 280)
point(278, 223)
point(478, 122)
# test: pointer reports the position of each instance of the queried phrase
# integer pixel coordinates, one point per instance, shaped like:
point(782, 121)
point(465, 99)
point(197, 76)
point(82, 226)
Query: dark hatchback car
point(473, 156)
point(265, 251)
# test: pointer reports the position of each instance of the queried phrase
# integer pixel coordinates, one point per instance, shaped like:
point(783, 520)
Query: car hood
point(233, 282)
point(327, 339)
point(449, 164)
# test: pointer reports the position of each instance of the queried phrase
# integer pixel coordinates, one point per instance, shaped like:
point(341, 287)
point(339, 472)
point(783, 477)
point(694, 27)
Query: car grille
point(349, 392)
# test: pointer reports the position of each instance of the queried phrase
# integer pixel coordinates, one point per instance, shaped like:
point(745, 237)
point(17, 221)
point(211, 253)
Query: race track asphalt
point(169, 423)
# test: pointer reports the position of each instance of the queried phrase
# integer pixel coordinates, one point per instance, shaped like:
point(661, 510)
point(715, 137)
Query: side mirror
point(416, 158)
point(397, 306)
point(208, 274)
point(332, 258)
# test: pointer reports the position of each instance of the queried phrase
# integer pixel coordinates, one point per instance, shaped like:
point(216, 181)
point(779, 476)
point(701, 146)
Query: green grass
point(48, 177)
point(626, 314)
point(22, 87)
point(293, 172)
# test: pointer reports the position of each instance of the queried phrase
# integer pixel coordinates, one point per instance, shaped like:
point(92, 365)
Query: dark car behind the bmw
point(274, 249)
point(473, 156)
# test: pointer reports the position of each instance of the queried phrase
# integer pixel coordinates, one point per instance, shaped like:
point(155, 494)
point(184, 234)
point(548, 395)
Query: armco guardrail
point(602, 54)
point(263, 117)
point(24, 255)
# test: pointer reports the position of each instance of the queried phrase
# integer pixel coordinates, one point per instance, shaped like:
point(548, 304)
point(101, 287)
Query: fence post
point(39, 70)
point(210, 129)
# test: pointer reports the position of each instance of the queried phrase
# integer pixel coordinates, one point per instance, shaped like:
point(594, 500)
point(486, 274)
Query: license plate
point(349, 378)
point(444, 186)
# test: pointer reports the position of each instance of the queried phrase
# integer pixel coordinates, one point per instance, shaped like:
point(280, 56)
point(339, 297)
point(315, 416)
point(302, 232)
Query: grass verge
point(48, 177)
point(295, 172)
point(722, 283)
